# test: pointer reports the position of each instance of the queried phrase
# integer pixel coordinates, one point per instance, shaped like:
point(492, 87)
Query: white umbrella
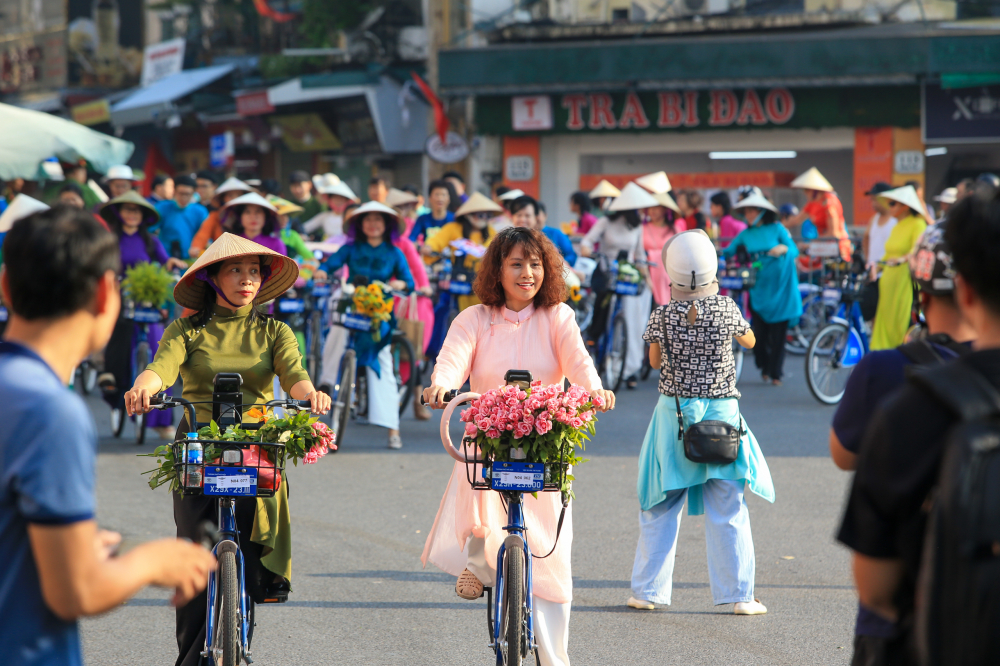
point(29, 137)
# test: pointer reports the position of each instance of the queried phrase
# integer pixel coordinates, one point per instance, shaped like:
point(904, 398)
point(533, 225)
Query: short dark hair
point(298, 176)
point(972, 230)
point(270, 186)
point(412, 189)
point(488, 285)
point(186, 181)
point(440, 184)
point(521, 203)
point(582, 201)
point(54, 260)
point(501, 190)
point(722, 199)
point(160, 179)
point(71, 186)
point(377, 180)
point(540, 206)
point(453, 174)
point(207, 175)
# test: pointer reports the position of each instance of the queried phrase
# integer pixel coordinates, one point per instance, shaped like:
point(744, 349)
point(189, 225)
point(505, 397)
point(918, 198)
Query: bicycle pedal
point(279, 599)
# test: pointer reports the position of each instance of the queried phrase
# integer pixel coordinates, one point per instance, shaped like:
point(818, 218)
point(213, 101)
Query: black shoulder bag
point(709, 442)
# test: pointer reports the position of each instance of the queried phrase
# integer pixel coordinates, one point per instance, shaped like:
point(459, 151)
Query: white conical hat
point(604, 190)
point(396, 198)
point(667, 201)
point(908, 196)
point(478, 203)
point(757, 201)
point(338, 188)
point(374, 207)
point(21, 207)
point(690, 260)
point(232, 185)
point(657, 183)
point(120, 172)
point(633, 197)
point(324, 180)
point(252, 198)
point(510, 195)
point(812, 180)
point(190, 291)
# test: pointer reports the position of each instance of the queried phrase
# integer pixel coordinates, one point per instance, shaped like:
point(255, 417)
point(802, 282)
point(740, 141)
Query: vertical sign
point(908, 157)
point(531, 113)
point(872, 163)
point(161, 60)
point(521, 163)
point(221, 149)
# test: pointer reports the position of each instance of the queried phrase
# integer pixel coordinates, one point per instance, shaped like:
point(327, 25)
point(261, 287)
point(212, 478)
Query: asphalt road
point(360, 518)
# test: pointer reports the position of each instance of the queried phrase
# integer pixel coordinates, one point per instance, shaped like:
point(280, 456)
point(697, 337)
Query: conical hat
point(667, 201)
point(656, 183)
point(396, 198)
point(21, 207)
point(284, 206)
point(756, 201)
point(232, 185)
point(604, 190)
point(190, 291)
point(374, 207)
point(908, 196)
point(338, 188)
point(251, 198)
point(478, 203)
point(812, 180)
point(510, 195)
point(633, 197)
point(150, 216)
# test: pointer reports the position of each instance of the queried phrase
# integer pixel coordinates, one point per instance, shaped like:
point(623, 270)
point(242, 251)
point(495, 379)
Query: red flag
point(155, 162)
point(441, 122)
point(265, 10)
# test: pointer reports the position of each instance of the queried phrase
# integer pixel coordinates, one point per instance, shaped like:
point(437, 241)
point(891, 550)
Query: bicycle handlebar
point(163, 401)
point(446, 418)
point(448, 397)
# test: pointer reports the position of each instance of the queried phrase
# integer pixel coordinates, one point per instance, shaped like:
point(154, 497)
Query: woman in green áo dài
point(895, 287)
point(228, 333)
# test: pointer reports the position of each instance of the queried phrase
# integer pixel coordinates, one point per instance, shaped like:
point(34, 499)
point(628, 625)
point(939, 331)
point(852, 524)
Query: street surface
point(360, 518)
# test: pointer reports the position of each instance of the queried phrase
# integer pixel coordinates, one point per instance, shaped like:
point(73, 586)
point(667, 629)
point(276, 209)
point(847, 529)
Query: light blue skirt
point(664, 467)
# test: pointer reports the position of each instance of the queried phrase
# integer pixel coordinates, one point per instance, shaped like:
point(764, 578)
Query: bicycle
point(142, 356)
point(451, 279)
point(838, 346)
point(610, 350)
point(230, 608)
point(305, 310)
point(509, 616)
point(85, 376)
point(738, 275)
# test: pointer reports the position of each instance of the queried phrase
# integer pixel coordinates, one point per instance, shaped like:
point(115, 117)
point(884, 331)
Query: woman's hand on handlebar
point(778, 250)
point(319, 402)
point(398, 285)
point(147, 384)
point(434, 396)
point(607, 396)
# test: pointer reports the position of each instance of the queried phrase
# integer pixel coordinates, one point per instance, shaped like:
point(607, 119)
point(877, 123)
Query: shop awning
point(864, 55)
point(398, 132)
point(147, 104)
point(29, 137)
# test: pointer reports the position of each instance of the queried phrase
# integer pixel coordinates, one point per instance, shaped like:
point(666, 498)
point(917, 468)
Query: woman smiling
point(523, 324)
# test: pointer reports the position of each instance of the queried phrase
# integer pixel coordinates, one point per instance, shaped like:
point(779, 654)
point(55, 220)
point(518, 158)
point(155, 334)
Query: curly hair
point(489, 283)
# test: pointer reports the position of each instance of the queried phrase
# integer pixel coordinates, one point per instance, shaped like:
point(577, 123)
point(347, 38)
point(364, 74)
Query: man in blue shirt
point(59, 284)
point(180, 218)
point(524, 213)
point(439, 197)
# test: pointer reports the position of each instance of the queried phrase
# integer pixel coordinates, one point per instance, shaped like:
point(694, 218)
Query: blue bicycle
point(142, 356)
point(610, 350)
point(228, 477)
point(509, 616)
point(305, 310)
point(838, 346)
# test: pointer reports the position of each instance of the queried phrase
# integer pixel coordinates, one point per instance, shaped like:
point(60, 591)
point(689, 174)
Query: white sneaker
point(750, 608)
point(640, 604)
point(395, 442)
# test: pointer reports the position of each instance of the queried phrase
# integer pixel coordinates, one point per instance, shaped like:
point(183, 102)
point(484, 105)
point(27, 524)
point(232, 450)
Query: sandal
point(468, 586)
point(395, 442)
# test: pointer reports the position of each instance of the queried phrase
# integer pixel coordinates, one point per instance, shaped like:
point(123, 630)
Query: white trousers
point(383, 395)
point(551, 619)
point(636, 310)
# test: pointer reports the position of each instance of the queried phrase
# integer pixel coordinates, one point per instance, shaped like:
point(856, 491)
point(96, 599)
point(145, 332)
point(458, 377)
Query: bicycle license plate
point(524, 477)
point(356, 322)
point(231, 481)
point(727, 282)
point(290, 305)
point(831, 296)
point(147, 316)
point(627, 289)
point(321, 290)
point(461, 288)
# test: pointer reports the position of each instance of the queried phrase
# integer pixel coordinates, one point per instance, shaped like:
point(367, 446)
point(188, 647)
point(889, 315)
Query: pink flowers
point(522, 414)
point(324, 442)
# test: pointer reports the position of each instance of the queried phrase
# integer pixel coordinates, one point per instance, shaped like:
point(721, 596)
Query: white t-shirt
point(878, 234)
point(331, 223)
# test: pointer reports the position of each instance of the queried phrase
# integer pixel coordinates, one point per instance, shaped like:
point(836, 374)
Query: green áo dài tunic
point(229, 342)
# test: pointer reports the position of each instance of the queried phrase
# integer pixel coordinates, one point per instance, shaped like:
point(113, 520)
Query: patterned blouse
point(703, 352)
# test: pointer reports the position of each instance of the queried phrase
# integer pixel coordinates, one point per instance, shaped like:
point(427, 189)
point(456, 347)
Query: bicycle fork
point(228, 542)
point(516, 539)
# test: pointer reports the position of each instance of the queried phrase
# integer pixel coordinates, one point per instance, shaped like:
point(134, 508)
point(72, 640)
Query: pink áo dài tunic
point(483, 343)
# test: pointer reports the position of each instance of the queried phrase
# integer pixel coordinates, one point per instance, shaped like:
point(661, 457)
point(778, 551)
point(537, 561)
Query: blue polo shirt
point(48, 450)
point(428, 221)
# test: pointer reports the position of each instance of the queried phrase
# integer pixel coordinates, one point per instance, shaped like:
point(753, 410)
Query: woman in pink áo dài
point(521, 324)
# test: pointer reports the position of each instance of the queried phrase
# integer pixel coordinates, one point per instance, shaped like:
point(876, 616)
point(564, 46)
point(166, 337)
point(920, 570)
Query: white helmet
point(690, 261)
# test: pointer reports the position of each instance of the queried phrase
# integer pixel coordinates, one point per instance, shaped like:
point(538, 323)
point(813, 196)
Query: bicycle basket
point(627, 288)
point(143, 315)
point(236, 469)
point(511, 476)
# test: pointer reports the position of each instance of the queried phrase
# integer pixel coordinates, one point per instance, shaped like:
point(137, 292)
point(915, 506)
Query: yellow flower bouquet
point(371, 301)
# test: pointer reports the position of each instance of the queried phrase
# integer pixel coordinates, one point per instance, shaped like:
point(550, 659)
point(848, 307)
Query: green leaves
point(147, 283)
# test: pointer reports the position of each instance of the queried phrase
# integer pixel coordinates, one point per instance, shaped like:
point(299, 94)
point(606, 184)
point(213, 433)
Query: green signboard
point(699, 110)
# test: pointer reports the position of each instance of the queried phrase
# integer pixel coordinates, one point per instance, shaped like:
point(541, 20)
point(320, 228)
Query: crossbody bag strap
point(673, 377)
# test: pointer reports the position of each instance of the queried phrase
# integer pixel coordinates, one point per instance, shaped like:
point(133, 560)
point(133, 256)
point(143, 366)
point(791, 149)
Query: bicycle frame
point(227, 534)
point(857, 340)
point(517, 538)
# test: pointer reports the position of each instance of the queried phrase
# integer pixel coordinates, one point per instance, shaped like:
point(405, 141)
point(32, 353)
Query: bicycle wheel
point(227, 634)
point(404, 369)
point(513, 646)
point(141, 361)
point(88, 377)
point(343, 397)
point(614, 361)
point(361, 395)
point(814, 315)
point(314, 354)
point(117, 421)
point(825, 373)
point(738, 356)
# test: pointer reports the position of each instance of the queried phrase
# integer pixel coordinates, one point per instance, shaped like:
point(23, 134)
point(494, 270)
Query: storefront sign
point(725, 180)
point(161, 60)
point(221, 150)
point(33, 62)
point(909, 162)
point(455, 149)
point(254, 104)
point(519, 168)
point(873, 163)
point(961, 115)
point(531, 113)
point(91, 113)
point(695, 110)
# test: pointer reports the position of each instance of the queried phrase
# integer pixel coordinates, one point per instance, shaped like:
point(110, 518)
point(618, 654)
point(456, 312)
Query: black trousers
point(769, 350)
point(118, 360)
point(190, 514)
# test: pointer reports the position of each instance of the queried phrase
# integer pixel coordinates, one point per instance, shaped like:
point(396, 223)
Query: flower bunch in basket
point(543, 424)
point(148, 284)
point(304, 436)
point(627, 272)
point(371, 300)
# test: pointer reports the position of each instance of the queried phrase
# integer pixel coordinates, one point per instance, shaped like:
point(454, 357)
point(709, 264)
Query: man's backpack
point(958, 587)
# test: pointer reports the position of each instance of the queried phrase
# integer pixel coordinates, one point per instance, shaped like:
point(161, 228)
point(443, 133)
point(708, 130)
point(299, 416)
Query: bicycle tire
point(340, 410)
point(88, 377)
point(314, 354)
point(361, 396)
point(514, 611)
point(141, 361)
point(822, 357)
point(614, 361)
point(402, 353)
point(814, 317)
point(117, 421)
point(229, 609)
